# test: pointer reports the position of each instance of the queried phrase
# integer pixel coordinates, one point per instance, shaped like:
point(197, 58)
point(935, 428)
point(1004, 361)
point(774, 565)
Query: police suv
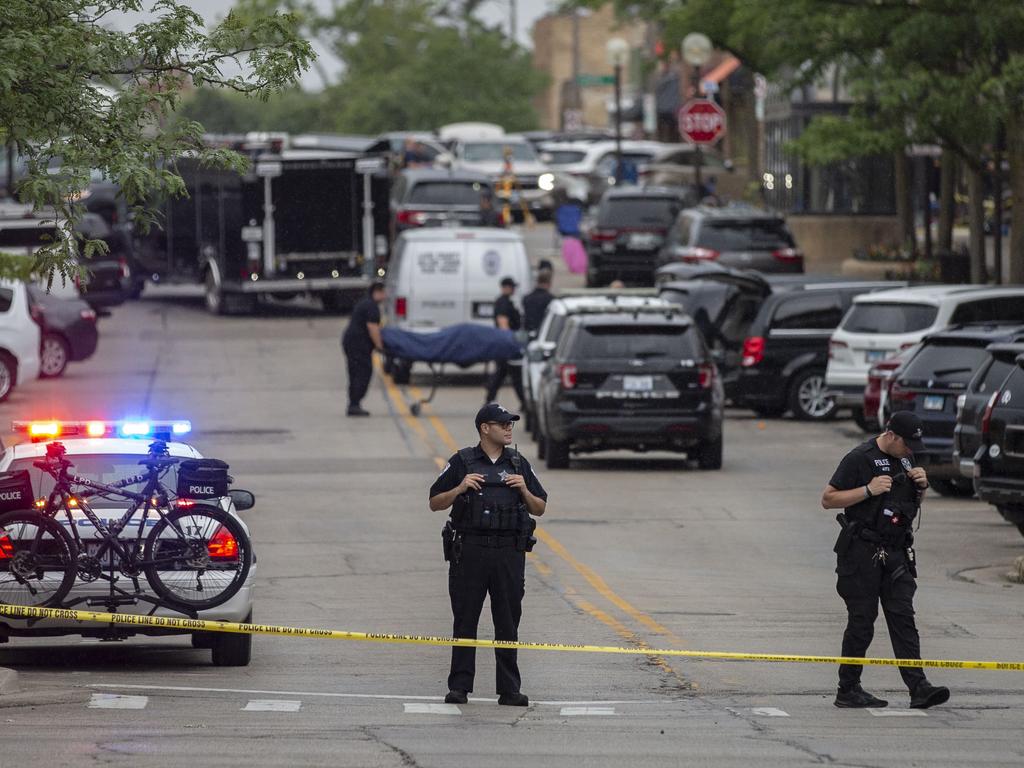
point(108, 452)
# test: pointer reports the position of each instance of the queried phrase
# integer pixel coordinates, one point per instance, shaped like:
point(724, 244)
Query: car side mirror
point(444, 160)
point(546, 354)
point(242, 500)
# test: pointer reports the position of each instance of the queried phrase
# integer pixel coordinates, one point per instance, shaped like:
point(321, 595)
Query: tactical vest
point(495, 507)
point(890, 515)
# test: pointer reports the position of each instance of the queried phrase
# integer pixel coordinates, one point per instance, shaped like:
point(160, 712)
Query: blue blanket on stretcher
point(463, 344)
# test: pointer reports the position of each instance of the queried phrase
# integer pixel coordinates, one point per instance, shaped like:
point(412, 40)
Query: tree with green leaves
point(79, 98)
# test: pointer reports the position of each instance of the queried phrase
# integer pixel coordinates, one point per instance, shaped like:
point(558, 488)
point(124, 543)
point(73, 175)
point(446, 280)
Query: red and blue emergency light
point(39, 431)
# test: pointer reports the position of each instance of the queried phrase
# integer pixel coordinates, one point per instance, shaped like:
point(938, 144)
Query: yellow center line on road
point(595, 581)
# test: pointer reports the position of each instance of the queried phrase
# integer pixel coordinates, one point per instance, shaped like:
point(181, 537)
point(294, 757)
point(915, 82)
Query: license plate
point(934, 402)
point(874, 355)
point(643, 240)
point(638, 383)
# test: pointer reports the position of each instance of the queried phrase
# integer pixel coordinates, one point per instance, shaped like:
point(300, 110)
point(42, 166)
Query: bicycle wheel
point(197, 557)
point(38, 560)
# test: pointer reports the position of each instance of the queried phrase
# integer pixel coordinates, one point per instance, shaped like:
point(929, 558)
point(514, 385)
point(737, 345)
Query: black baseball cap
point(494, 412)
point(908, 426)
point(508, 281)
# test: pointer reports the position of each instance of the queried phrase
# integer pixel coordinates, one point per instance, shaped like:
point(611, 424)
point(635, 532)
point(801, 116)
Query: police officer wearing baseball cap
point(880, 490)
point(494, 494)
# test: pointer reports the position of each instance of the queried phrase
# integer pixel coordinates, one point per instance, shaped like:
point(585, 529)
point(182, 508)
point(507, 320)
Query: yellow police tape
point(194, 625)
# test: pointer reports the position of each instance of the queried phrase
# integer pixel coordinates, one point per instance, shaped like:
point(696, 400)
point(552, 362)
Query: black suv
point(999, 464)
point(638, 381)
point(622, 241)
point(930, 385)
point(734, 236)
point(784, 356)
point(429, 197)
point(971, 405)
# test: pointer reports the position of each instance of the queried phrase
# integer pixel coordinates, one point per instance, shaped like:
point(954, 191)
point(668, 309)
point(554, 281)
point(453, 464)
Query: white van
point(439, 277)
point(19, 338)
point(881, 324)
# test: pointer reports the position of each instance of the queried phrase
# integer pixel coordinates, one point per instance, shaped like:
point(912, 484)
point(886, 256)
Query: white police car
point(107, 452)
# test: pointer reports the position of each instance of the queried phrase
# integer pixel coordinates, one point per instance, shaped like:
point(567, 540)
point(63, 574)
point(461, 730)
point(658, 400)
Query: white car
point(20, 338)
point(880, 325)
point(593, 162)
point(534, 181)
point(108, 460)
point(541, 348)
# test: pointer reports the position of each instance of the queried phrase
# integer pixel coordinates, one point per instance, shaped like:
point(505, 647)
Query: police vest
point(495, 507)
point(891, 514)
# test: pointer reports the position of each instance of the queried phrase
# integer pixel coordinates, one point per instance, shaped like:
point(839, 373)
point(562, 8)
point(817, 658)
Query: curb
point(8, 681)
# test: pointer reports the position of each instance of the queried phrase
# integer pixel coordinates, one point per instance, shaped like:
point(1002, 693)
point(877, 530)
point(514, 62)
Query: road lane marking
point(769, 712)
point(586, 711)
point(897, 712)
point(272, 705)
point(117, 701)
point(331, 694)
point(431, 709)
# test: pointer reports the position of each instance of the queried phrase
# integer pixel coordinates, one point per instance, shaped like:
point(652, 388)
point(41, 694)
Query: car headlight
point(546, 181)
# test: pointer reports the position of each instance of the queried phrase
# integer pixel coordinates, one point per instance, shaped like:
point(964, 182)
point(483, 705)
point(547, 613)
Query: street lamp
point(618, 53)
point(696, 50)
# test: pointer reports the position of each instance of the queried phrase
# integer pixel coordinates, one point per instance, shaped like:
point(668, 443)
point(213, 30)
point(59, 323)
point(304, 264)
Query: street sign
point(270, 169)
point(588, 81)
point(701, 121)
point(369, 164)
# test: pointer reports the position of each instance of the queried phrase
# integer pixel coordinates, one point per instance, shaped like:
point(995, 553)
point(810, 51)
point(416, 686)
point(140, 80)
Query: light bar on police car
point(51, 429)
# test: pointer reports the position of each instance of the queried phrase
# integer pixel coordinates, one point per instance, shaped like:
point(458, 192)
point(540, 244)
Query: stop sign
point(701, 121)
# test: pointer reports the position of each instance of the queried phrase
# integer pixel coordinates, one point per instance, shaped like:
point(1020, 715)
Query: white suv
point(19, 338)
point(879, 325)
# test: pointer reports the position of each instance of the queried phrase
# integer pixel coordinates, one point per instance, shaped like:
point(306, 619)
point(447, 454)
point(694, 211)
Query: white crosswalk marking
point(418, 708)
point(897, 712)
point(582, 711)
point(116, 701)
point(769, 712)
point(272, 705)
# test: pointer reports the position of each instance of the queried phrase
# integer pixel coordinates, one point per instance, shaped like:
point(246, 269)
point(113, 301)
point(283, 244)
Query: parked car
point(432, 197)
point(642, 381)
point(594, 162)
point(540, 349)
point(879, 325)
point(972, 404)
point(999, 463)
point(534, 181)
point(876, 392)
point(631, 223)
point(930, 384)
point(110, 280)
point(19, 338)
point(68, 325)
point(733, 236)
point(675, 166)
point(785, 354)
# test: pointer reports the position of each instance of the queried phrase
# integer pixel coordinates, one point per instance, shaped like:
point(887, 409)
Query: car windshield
point(740, 235)
point(494, 151)
point(447, 193)
point(638, 212)
point(624, 342)
point(107, 468)
point(564, 156)
point(878, 317)
point(945, 363)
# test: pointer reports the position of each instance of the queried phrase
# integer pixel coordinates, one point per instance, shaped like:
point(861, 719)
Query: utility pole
point(513, 22)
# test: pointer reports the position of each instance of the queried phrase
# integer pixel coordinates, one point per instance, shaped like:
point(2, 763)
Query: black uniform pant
point(359, 361)
point(501, 573)
point(503, 369)
point(864, 582)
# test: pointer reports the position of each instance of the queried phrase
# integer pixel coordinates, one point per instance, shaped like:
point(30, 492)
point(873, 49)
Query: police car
point(107, 452)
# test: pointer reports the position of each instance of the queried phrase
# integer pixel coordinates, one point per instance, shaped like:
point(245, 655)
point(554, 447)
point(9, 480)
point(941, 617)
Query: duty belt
point(494, 541)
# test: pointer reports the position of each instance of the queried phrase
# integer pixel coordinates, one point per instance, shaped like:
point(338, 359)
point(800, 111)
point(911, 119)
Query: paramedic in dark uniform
point(494, 495)
point(506, 317)
point(880, 490)
point(361, 337)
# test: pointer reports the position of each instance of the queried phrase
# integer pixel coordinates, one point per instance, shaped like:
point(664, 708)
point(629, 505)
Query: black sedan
point(69, 332)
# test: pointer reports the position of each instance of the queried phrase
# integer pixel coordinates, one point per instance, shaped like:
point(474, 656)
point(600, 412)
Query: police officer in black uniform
point(361, 337)
point(535, 303)
point(506, 317)
point(880, 490)
point(493, 492)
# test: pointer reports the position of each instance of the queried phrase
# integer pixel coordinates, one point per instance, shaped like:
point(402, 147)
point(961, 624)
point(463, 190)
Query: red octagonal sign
point(701, 121)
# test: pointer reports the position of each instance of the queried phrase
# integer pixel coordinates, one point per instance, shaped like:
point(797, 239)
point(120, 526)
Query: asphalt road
point(635, 550)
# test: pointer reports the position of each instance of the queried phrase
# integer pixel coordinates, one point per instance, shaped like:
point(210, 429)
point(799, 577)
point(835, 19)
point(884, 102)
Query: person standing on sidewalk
point(361, 337)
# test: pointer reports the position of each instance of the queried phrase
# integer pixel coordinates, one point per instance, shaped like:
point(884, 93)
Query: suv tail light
point(412, 218)
point(37, 314)
point(604, 235)
point(788, 255)
point(401, 306)
point(125, 272)
point(567, 375)
point(986, 419)
point(835, 345)
point(705, 375)
point(897, 394)
point(753, 351)
point(88, 314)
point(693, 254)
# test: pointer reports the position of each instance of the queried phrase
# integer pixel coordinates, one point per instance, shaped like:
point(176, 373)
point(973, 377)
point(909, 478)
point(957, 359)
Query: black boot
point(514, 700)
point(927, 695)
point(857, 698)
point(456, 697)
